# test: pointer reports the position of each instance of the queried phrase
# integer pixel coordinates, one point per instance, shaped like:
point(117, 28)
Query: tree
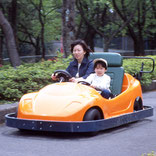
point(34, 22)
point(41, 16)
point(100, 19)
point(12, 15)
point(138, 25)
point(1, 48)
point(68, 25)
point(151, 27)
point(39, 22)
point(109, 19)
point(10, 40)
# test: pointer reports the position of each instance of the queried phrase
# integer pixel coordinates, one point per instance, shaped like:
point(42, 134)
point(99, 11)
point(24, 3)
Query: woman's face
point(78, 53)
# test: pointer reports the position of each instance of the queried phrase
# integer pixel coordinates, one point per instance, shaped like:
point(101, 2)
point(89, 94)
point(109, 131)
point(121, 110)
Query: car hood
point(62, 99)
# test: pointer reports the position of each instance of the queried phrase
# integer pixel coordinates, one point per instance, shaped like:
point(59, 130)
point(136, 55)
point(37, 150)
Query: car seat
point(115, 69)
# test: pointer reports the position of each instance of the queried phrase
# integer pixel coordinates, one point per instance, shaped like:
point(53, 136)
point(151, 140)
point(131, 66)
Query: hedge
point(133, 66)
point(28, 77)
point(31, 77)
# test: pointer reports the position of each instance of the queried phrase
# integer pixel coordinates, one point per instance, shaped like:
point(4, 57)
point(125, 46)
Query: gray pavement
point(5, 109)
point(132, 139)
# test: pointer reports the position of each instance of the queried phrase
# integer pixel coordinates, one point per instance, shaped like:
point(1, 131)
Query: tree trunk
point(13, 15)
point(42, 42)
point(106, 47)
point(89, 37)
point(42, 29)
point(12, 19)
point(106, 44)
point(1, 49)
point(37, 46)
point(10, 41)
point(139, 47)
point(68, 25)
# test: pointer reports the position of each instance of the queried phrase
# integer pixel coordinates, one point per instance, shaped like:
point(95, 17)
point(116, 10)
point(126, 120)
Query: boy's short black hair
point(100, 61)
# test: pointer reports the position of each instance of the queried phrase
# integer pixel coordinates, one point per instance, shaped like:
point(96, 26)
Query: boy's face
point(100, 70)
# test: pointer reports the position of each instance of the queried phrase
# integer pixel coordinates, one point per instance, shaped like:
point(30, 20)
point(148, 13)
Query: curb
point(151, 87)
point(10, 108)
point(5, 109)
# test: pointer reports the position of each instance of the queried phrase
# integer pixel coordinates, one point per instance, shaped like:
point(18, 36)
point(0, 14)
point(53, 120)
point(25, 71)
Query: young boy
point(99, 80)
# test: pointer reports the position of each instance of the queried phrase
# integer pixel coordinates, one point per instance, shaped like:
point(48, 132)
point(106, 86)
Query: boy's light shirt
point(101, 82)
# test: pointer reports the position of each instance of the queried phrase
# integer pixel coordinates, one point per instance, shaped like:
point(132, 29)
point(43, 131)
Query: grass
point(6, 102)
point(149, 154)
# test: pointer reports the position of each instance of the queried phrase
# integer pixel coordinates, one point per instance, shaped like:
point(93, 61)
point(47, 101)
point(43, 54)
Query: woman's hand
point(53, 77)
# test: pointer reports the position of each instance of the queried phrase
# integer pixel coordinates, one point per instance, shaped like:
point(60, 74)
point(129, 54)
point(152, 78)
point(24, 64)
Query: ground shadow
point(13, 132)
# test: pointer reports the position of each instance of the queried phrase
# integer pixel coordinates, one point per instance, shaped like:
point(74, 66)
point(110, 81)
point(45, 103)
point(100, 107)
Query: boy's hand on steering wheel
point(73, 79)
point(92, 86)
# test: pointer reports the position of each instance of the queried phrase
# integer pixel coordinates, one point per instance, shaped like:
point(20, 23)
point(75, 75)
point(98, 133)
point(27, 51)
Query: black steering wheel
point(84, 82)
point(62, 75)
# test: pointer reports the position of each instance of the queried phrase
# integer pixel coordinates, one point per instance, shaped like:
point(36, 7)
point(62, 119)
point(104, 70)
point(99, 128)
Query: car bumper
point(83, 126)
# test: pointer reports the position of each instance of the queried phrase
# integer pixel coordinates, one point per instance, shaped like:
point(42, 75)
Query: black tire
point(92, 114)
point(138, 104)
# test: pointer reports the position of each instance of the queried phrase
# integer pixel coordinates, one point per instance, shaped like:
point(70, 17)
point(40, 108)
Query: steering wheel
point(62, 75)
point(84, 82)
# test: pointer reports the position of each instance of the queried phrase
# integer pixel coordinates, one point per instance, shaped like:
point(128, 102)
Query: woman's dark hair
point(84, 46)
point(103, 64)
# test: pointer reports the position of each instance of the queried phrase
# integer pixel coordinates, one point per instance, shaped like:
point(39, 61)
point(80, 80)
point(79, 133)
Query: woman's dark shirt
point(86, 68)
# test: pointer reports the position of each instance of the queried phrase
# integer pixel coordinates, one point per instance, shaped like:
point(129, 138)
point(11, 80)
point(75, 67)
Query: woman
point(81, 67)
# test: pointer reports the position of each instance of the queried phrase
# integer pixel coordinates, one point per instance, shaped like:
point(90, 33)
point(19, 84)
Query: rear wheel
point(138, 104)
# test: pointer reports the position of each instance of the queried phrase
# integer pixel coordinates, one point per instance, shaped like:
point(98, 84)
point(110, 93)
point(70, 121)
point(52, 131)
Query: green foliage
point(29, 25)
point(97, 13)
point(28, 77)
point(31, 77)
point(149, 154)
point(133, 66)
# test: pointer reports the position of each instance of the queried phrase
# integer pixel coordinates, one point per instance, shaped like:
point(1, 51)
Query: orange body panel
point(69, 101)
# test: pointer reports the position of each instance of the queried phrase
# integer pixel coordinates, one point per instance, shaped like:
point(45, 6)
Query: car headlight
point(27, 105)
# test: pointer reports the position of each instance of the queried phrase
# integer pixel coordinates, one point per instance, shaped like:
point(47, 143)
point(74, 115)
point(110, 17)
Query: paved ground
point(129, 140)
point(5, 109)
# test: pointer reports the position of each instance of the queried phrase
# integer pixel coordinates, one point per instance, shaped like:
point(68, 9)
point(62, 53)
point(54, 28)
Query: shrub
point(149, 154)
point(133, 66)
point(31, 77)
point(28, 77)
